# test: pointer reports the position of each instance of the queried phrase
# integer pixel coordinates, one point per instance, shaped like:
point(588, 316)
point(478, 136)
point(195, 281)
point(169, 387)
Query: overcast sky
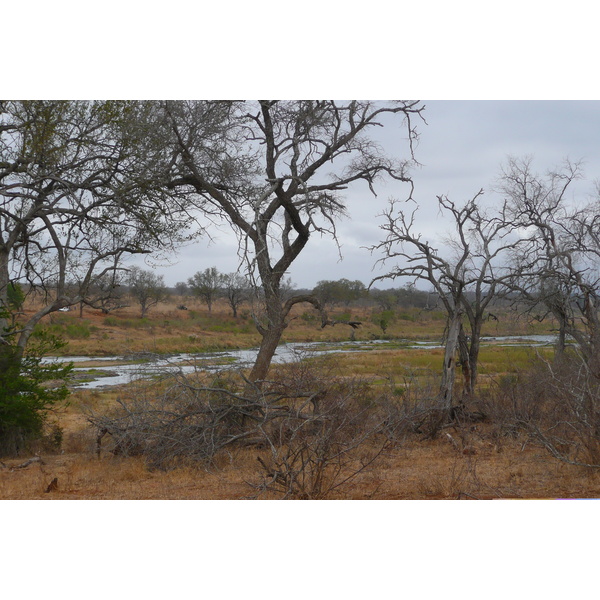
point(461, 148)
point(430, 50)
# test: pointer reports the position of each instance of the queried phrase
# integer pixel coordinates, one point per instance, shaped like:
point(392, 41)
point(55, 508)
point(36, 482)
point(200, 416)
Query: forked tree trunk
point(277, 313)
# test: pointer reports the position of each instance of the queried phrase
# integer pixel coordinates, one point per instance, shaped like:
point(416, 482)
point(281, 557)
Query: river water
point(118, 370)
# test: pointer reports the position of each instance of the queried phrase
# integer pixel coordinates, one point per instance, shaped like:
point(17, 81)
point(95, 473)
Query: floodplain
point(487, 458)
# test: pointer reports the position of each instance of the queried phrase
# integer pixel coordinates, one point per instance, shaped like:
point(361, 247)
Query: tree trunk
point(465, 362)
point(267, 349)
point(271, 334)
point(4, 281)
point(471, 368)
point(449, 369)
point(561, 342)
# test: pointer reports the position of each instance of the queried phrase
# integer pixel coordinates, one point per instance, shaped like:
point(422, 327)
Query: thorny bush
point(554, 404)
point(312, 431)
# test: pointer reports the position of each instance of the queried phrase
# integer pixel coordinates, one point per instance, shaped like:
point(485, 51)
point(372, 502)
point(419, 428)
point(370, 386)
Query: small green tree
point(15, 296)
point(206, 285)
point(342, 291)
point(29, 388)
point(147, 288)
point(383, 319)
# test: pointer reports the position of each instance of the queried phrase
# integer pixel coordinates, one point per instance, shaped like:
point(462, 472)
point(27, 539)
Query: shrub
point(306, 425)
point(77, 331)
point(29, 390)
point(557, 404)
point(383, 319)
point(15, 296)
point(309, 317)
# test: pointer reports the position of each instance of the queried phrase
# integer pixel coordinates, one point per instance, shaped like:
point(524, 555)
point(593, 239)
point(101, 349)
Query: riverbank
point(167, 330)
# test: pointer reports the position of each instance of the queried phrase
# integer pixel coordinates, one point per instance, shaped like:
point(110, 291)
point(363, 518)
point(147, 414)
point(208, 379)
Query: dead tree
point(464, 275)
point(556, 266)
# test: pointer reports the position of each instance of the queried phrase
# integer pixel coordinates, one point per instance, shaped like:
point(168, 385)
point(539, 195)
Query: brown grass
point(167, 329)
point(434, 469)
point(469, 463)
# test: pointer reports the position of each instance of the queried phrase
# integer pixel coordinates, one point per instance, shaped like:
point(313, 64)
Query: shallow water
point(117, 373)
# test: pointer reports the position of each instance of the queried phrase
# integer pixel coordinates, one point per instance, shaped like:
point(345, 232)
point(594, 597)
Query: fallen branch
point(30, 461)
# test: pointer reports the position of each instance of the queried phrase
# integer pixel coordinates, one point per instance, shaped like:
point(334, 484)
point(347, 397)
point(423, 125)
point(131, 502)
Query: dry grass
point(468, 464)
point(417, 470)
point(473, 462)
point(167, 329)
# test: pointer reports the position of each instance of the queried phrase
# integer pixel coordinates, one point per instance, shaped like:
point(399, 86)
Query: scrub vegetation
point(357, 425)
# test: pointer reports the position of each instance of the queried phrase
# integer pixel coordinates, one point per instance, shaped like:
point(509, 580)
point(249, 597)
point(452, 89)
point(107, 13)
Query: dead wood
point(30, 461)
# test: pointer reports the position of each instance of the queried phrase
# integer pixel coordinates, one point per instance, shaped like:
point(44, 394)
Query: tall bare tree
point(465, 274)
point(557, 264)
point(557, 271)
point(274, 171)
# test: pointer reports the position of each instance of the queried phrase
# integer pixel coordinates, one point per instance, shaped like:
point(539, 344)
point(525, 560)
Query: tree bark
point(4, 281)
point(449, 369)
point(267, 349)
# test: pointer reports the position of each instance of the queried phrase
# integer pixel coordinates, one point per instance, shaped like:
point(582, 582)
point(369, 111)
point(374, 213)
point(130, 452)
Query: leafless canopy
point(465, 272)
point(264, 168)
point(556, 268)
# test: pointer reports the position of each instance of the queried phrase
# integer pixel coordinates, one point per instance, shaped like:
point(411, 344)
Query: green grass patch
point(66, 327)
point(139, 323)
point(494, 360)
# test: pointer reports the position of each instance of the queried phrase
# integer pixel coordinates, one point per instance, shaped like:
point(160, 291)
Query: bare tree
point(263, 168)
point(554, 270)
point(105, 292)
point(236, 288)
point(556, 266)
point(464, 274)
point(147, 288)
point(80, 190)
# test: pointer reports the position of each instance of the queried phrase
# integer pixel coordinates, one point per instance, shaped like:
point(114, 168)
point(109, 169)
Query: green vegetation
point(66, 327)
point(29, 391)
point(15, 296)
